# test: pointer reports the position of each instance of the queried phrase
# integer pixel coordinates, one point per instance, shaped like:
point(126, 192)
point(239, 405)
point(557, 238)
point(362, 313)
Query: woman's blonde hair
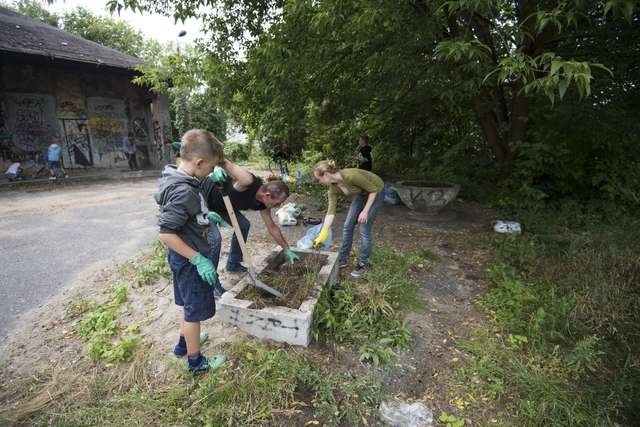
point(325, 166)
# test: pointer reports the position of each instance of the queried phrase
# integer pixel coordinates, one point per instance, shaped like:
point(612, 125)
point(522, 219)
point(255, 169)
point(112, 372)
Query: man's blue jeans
point(215, 242)
point(366, 242)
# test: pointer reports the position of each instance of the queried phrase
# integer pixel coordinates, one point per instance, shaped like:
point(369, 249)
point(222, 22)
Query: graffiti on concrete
point(29, 120)
point(70, 109)
point(162, 133)
point(107, 125)
point(139, 128)
point(76, 142)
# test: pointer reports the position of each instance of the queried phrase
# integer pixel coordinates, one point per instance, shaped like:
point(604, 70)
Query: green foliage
point(107, 31)
point(269, 379)
point(100, 327)
point(149, 269)
point(237, 152)
point(257, 385)
point(179, 75)
point(563, 345)
point(451, 89)
point(450, 420)
point(34, 9)
point(367, 314)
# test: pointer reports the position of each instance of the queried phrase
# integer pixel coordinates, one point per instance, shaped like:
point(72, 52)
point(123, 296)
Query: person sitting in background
point(14, 171)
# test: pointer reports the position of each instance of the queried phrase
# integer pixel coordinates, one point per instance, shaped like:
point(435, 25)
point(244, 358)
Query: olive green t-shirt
point(357, 181)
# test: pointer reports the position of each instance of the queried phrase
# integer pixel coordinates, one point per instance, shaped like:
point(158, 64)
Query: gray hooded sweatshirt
point(183, 210)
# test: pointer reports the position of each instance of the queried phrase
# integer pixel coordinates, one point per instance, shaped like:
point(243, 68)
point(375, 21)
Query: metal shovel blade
point(261, 285)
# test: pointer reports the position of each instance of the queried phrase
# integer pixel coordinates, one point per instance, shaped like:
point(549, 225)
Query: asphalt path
point(50, 239)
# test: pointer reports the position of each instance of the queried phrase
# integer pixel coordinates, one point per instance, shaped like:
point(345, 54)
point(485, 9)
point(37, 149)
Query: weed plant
point(258, 385)
point(368, 314)
point(149, 268)
point(564, 343)
point(101, 329)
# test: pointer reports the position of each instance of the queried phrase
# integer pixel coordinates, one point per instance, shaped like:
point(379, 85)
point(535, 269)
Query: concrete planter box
point(426, 197)
point(277, 323)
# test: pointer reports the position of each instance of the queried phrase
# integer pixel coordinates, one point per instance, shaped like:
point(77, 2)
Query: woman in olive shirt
point(366, 189)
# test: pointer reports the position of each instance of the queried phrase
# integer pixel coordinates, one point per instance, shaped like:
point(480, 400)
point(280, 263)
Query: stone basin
point(427, 197)
point(277, 323)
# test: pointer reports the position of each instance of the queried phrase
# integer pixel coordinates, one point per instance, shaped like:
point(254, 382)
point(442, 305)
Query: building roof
point(23, 35)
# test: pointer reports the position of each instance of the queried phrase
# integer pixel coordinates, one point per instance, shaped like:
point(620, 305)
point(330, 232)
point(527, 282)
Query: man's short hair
point(275, 188)
point(200, 143)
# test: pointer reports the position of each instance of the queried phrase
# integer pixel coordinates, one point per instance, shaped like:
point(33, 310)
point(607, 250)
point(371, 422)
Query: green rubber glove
point(205, 268)
point(216, 218)
point(291, 256)
point(322, 236)
point(218, 175)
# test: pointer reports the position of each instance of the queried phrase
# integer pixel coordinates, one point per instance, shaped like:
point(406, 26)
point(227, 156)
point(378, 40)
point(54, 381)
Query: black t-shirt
point(241, 200)
point(364, 161)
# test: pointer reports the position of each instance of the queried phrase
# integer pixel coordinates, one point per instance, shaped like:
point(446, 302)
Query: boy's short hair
point(200, 143)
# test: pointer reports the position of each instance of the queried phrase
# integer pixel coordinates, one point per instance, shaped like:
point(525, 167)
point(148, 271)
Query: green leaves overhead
point(433, 83)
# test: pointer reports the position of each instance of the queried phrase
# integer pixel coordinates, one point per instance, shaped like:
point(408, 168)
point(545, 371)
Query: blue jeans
point(215, 242)
point(366, 242)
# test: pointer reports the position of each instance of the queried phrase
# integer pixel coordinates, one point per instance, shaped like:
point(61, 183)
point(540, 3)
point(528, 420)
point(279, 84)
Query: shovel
point(245, 253)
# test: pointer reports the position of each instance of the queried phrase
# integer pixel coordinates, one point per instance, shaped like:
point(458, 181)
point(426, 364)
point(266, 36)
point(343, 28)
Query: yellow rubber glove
point(322, 236)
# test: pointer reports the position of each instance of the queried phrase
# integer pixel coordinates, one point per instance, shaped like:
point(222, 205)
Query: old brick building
point(56, 83)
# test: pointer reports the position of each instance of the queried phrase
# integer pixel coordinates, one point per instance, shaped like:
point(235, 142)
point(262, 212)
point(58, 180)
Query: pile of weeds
point(563, 345)
point(367, 314)
point(297, 282)
point(257, 385)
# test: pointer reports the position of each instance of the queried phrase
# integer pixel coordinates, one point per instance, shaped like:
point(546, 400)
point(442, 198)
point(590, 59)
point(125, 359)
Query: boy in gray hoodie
point(184, 221)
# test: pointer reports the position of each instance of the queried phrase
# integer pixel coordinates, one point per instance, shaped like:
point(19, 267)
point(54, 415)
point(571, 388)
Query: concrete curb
point(82, 179)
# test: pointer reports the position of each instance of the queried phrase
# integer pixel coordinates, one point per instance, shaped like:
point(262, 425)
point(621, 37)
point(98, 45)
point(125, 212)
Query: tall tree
point(431, 79)
point(113, 33)
point(35, 10)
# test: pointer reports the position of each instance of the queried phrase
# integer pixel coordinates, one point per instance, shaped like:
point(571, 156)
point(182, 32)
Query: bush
point(565, 307)
point(237, 152)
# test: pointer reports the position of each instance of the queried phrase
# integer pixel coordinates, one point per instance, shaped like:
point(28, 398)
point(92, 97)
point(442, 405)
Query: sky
point(153, 26)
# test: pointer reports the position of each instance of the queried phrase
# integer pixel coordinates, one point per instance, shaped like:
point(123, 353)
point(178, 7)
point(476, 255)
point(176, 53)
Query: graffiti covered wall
point(90, 110)
point(28, 121)
point(107, 126)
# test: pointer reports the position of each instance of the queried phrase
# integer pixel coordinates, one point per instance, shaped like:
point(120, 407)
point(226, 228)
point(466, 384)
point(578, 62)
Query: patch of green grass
point(563, 342)
point(149, 268)
point(100, 328)
point(258, 385)
point(450, 420)
point(368, 314)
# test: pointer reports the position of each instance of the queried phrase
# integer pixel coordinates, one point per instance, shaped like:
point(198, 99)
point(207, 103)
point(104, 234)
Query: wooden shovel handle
point(236, 229)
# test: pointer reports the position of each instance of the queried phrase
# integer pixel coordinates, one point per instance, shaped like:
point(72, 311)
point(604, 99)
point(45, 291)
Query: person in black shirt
point(364, 153)
point(246, 192)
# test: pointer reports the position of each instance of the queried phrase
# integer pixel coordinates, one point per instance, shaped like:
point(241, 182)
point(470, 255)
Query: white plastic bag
point(306, 242)
point(400, 414)
point(287, 214)
point(285, 218)
point(291, 209)
point(510, 227)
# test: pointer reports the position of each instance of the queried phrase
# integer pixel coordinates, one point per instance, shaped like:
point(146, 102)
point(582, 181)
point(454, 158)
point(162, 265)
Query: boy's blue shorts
point(190, 291)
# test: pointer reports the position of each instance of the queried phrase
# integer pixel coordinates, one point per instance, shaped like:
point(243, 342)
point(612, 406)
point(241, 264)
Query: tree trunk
point(491, 130)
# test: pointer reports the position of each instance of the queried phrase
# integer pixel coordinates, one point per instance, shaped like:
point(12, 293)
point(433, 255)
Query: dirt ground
point(46, 340)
